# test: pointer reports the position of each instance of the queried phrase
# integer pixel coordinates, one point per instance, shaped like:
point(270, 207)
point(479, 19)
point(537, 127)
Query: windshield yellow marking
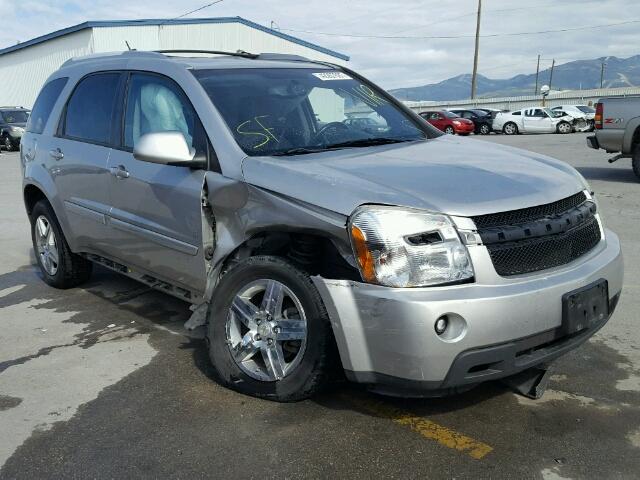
point(266, 133)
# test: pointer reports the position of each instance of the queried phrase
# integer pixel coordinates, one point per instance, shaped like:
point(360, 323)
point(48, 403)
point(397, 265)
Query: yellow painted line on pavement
point(425, 427)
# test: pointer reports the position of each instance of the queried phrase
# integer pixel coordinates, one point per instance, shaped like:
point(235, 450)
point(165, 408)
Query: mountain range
point(579, 74)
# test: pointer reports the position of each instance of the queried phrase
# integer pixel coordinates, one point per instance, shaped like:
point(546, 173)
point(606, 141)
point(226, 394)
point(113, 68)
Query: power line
point(196, 10)
point(451, 37)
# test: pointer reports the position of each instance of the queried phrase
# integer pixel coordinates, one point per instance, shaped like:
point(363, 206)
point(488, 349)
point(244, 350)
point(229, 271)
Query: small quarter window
point(44, 105)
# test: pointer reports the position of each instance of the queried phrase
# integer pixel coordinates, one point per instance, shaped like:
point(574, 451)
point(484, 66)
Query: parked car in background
point(533, 120)
point(12, 123)
point(366, 124)
point(449, 122)
point(617, 126)
point(482, 120)
point(579, 112)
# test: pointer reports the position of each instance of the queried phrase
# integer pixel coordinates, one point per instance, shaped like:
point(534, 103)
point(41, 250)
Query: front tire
point(449, 130)
point(8, 144)
point(564, 128)
point(510, 128)
point(60, 267)
point(269, 334)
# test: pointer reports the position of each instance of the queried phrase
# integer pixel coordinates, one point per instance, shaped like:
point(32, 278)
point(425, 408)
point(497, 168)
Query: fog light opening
point(441, 324)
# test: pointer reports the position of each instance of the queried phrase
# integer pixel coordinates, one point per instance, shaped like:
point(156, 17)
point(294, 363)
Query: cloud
point(389, 62)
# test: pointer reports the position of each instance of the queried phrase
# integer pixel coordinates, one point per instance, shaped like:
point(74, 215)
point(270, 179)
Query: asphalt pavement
point(103, 382)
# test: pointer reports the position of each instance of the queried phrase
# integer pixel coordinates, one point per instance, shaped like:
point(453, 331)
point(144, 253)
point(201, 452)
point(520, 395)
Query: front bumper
point(464, 129)
point(386, 336)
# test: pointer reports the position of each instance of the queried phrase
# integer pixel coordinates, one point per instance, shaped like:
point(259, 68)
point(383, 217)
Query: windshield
point(298, 110)
point(450, 114)
point(15, 116)
point(554, 113)
point(585, 109)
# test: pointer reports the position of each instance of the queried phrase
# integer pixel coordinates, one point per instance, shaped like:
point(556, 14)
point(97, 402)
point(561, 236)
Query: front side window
point(44, 104)
point(90, 110)
point(156, 104)
point(299, 110)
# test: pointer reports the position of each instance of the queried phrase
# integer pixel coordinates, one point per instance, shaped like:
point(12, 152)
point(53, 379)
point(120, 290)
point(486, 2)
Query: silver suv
point(417, 263)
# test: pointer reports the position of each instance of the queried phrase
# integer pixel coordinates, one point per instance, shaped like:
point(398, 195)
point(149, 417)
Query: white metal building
point(25, 67)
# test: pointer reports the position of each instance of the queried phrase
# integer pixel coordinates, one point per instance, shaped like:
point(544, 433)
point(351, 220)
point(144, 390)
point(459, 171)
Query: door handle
point(119, 172)
point(56, 154)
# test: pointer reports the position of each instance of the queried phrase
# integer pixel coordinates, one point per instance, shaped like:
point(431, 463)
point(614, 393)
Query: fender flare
point(629, 133)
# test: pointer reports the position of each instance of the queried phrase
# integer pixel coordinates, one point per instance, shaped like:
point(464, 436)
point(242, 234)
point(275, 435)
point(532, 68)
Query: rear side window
point(44, 104)
point(90, 110)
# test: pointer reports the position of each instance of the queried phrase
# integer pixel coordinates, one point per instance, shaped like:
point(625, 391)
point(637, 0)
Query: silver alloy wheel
point(564, 127)
point(266, 330)
point(484, 129)
point(510, 129)
point(449, 131)
point(47, 245)
point(7, 144)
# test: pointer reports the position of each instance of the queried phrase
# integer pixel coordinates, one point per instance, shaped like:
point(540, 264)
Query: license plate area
point(585, 307)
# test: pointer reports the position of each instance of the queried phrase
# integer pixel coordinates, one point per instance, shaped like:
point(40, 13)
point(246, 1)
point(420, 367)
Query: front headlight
point(400, 247)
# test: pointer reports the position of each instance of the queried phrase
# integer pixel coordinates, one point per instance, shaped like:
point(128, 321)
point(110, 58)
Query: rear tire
point(239, 352)
point(60, 267)
point(635, 161)
point(485, 129)
point(510, 128)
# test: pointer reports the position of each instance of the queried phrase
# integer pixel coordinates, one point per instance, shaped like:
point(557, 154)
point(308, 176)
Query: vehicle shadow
point(611, 174)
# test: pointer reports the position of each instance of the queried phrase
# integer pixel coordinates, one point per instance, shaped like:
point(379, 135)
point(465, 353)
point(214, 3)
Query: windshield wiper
point(298, 151)
point(369, 142)
point(362, 142)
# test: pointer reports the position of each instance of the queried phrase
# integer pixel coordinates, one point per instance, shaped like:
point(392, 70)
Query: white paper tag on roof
point(332, 76)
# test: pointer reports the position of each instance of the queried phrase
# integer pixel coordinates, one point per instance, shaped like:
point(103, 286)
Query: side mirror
point(165, 148)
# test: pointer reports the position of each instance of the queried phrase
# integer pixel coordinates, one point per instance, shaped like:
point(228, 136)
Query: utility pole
point(553, 64)
point(475, 56)
point(602, 74)
point(535, 92)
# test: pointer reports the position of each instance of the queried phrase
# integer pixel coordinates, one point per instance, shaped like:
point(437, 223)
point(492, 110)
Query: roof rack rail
point(282, 56)
point(239, 53)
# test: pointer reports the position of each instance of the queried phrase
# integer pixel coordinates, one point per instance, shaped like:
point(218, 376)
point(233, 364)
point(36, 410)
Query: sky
point(344, 25)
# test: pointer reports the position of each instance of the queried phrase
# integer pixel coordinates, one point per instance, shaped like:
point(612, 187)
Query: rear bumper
point(386, 336)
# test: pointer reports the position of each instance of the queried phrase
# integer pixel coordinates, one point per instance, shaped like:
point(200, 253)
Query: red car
point(449, 122)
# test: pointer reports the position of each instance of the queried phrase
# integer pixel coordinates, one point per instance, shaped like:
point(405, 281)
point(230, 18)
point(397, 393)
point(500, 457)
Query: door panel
point(79, 158)
point(156, 217)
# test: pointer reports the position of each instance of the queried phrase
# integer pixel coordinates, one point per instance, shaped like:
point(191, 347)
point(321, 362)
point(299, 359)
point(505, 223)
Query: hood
point(21, 124)
point(450, 175)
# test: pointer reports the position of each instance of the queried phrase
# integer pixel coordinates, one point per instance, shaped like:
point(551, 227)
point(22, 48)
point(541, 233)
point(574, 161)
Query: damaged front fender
point(235, 212)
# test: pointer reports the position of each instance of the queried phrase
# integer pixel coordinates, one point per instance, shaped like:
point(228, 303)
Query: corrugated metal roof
point(159, 22)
